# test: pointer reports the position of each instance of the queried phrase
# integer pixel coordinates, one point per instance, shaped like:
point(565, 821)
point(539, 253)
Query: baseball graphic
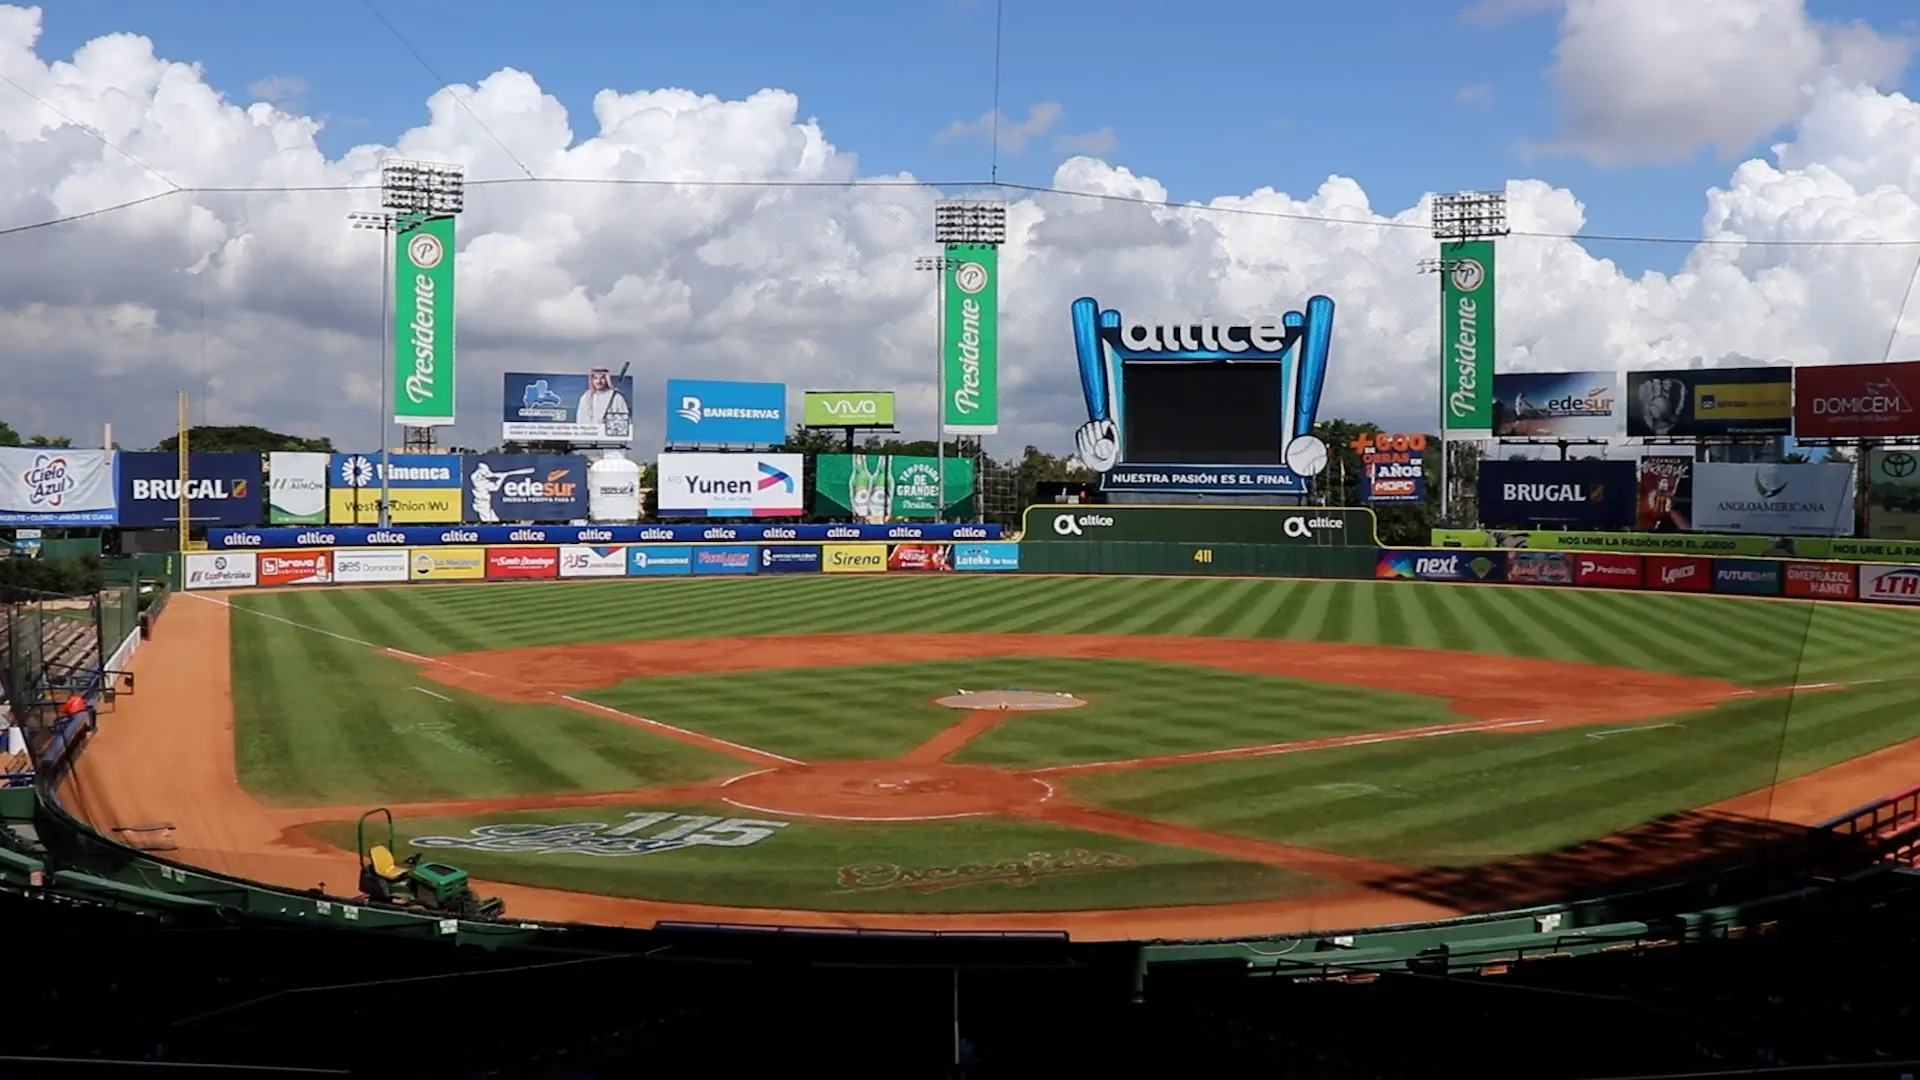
point(425, 251)
point(1306, 456)
point(970, 277)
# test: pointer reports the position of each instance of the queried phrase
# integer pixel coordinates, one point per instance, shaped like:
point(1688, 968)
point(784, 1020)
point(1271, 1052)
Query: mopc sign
point(1200, 524)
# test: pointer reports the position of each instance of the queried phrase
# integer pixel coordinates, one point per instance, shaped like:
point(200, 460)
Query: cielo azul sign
point(423, 323)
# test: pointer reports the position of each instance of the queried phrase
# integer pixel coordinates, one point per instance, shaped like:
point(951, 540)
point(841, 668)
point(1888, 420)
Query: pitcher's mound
point(1009, 700)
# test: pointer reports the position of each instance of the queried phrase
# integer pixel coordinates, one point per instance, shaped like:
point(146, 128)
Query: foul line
point(1332, 743)
point(429, 693)
point(693, 735)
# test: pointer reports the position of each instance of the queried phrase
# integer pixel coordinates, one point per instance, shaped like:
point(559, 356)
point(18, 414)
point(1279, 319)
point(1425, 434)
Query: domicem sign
point(1863, 401)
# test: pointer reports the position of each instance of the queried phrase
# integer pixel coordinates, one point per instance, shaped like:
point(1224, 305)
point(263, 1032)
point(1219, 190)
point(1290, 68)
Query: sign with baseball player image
point(1573, 405)
point(1666, 494)
point(56, 486)
point(525, 487)
point(1467, 337)
point(423, 323)
point(593, 408)
point(970, 341)
point(876, 488)
point(1691, 403)
point(1893, 494)
point(1203, 406)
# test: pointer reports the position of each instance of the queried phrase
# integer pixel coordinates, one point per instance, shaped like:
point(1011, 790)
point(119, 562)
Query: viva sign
point(1466, 337)
point(423, 323)
point(970, 341)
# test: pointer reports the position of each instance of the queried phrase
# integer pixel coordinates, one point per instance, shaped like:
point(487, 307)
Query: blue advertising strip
point(1747, 577)
point(790, 559)
point(986, 556)
point(222, 489)
point(725, 560)
point(701, 412)
point(524, 487)
point(1452, 564)
point(429, 535)
point(659, 561)
point(438, 471)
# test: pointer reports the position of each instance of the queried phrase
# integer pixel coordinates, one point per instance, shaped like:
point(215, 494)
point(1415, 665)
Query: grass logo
point(599, 838)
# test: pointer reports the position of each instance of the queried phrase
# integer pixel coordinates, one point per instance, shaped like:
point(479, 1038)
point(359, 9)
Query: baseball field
point(1118, 757)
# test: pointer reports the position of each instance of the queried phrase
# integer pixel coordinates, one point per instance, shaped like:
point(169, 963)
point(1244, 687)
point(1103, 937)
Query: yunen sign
point(846, 408)
point(1316, 526)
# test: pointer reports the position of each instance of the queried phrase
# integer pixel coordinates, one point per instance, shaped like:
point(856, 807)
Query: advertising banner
point(1439, 565)
point(581, 562)
point(1467, 342)
point(648, 560)
point(1317, 526)
point(1691, 403)
point(1857, 401)
point(1393, 467)
point(1779, 500)
point(1584, 493)
point(702, 412)
point(524, 487)
point(423, 317)
point(880, 487)
point(523, 562)
point(1608, 571)
point(296, 488)
point(56, 486)
point(367, 566)
point(448, 564)
point(846, 408)
point(1678, 573)
point(986, 557)
point(1539, 568)
point(423, 489)
point(970, 342)
point(295, 568)
point(591, 407)
point(730, 485)
point(929, 557)
point(1747, 577)
point(1825, 581)
point(1558, 405)
point(853, 559)
point(1890, 584)
point(1670, 543)
point(222, 489)
point(790, 559)
point(227, 570)
point(424, 536)
point(725, 560)
point(1893, 494)
point(1666, 494)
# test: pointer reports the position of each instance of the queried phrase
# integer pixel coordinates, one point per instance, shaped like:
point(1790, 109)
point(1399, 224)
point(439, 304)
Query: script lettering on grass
point(876, 877)
point(600, 838)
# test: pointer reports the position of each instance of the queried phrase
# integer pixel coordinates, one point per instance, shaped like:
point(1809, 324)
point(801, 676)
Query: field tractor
point(433, 888)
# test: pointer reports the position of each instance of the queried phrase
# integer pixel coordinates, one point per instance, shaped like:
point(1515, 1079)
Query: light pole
point(384, 223)
point(980, 222)
point(939, 265)
point(1458, 217)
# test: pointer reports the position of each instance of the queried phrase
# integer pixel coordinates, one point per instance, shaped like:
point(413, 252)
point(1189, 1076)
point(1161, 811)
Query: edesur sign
point(847, 408)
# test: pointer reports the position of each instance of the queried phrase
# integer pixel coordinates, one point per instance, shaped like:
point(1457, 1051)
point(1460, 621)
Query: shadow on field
point(1738, 852)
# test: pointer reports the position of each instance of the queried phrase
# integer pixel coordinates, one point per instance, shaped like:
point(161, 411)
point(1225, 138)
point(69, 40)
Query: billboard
point(294, 568)
point(423, 324)
point(1823, 581)
point(225, 570)
point(1890, 584)
point(1677, 573)
point(1313, 527)
point(1467, 339)
point(790, 559)
point(593, 406)
point(524, 487)
point(1666, 494)
point(1893, 494)
point(1441, 565)
point(222, 489)
point(882, 487)
point(524, 562)
point(366, 566)
point(1857, 401)
point(1692, 403)
point(970, 341)
point(1393, 468)
point(296, 488)
point(448, 564)
point(1589, 494)
point(1746, 577)
point(702, 412)
point(725, 560)
point(853, 559)
point(1775, 499)
point(56, 486)
point(1199, 405)
point(580, 561)
point(730, 485)
point(651, 561)
point(422, 489)
point(1557, 405)
point(290, 536)
point(846, 408)
point(1539, 567)
point(986, 557)
point(931, 557)
point(1608, 571)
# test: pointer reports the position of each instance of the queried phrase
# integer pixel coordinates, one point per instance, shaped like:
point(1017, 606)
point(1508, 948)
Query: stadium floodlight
point(386, 223)
point(969, 221)
point(1469, 215)
point(939, 265)
point(423, 187)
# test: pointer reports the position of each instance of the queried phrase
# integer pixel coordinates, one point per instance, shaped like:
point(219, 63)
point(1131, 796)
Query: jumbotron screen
point(1203, 413)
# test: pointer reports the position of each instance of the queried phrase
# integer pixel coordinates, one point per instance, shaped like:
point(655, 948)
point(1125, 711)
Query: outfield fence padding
point(1195, 558)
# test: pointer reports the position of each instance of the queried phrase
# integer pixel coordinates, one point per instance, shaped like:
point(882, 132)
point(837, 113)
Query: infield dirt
point(166, 758)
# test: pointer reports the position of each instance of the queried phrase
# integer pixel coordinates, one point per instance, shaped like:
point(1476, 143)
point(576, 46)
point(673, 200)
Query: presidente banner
point(1467, 341)
point(1691, 403)
point(1586, 493)
point(423, 323)
point(1393, 467)
point(56, 486)
point(422, 489)
point(1780, 500)
point(595, 407)
point(1666, 494)
point(524, 487)
point(1857, 401)
point(361, 536)
point(1557, 405)
point(296, 488)
point(1893, 494)
point(702, 412)
point(222, 489)
point(730, 485)
point(970, 341)
point(879, 487)
point(846, 408)
point(1306, 526)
